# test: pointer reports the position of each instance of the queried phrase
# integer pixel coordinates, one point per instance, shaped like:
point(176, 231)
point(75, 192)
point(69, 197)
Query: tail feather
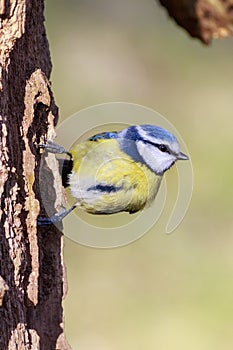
point(65, 169)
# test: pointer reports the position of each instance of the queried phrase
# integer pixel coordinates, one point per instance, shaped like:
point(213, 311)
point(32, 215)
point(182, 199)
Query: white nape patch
point(173, 146)
point(123, 132)
point(158, 161)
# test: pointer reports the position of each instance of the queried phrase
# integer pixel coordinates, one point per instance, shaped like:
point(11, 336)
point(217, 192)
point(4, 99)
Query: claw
point(53, 147)
point(45, 221)
point(58, 217)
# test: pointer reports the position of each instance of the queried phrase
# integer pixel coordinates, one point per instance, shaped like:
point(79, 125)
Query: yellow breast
point(105, 180)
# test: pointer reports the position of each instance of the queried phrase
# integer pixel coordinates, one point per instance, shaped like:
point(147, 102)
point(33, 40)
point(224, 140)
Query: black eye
point(163, 148)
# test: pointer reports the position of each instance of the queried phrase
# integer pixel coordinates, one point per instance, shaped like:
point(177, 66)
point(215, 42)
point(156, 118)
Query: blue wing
point(104, 135)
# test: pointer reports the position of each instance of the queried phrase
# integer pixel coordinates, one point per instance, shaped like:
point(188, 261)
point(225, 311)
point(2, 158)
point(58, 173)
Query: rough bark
point(203, 19)
point(32, 275)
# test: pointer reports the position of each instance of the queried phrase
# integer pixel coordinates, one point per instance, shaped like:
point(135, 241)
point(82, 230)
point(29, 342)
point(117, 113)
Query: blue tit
point(120, 171)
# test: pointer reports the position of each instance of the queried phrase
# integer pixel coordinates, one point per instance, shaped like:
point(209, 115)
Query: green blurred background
point(162, 291)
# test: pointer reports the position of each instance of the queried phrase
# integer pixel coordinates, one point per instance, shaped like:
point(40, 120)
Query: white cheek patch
point(158, 161)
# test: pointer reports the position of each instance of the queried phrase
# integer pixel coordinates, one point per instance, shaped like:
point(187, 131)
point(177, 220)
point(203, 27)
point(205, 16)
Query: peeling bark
point(32, 274)
point(203, 19)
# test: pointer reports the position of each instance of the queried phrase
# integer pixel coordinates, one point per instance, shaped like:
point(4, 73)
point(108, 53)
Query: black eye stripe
point(161, 147)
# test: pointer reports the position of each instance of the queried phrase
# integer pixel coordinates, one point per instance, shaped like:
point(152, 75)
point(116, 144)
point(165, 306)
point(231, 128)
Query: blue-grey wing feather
point(104, 135)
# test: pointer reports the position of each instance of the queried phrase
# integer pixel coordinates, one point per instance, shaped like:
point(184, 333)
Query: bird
point(116, 171)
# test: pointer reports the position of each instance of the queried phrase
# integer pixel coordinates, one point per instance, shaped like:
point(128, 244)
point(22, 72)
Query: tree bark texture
point(32, 274)
point(203, 19)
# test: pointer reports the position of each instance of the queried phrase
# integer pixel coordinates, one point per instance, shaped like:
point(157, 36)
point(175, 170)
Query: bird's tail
point(65, 168)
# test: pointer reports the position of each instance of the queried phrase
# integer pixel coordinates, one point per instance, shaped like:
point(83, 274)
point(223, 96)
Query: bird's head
point(156, 147)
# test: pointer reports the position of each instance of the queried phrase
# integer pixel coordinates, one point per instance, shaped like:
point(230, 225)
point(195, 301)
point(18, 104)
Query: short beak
point(182, 156)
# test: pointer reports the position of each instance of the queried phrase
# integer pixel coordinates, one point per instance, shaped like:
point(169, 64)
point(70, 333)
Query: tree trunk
point(32, 274)
point(203, 19)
